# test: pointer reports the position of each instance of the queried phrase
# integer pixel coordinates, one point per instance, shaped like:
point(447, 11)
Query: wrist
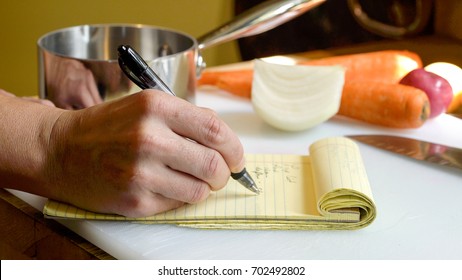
point(25, 129)
point(57, 128)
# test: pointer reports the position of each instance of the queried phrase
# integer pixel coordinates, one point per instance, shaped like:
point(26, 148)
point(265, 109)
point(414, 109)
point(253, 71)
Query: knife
point(413, 148)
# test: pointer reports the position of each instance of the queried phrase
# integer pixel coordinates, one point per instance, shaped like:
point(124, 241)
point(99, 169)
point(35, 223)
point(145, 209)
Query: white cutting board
point(419, 204)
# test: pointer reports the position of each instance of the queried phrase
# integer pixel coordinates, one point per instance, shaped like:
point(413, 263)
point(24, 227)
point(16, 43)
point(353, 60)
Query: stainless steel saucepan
point(78, 65)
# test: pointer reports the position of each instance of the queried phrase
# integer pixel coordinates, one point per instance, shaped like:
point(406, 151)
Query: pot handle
point(256, 20)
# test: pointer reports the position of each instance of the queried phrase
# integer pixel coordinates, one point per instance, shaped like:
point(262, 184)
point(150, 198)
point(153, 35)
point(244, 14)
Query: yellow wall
point(23, 22)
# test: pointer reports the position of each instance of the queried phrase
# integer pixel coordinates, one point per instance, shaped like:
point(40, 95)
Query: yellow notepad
point(328, 189)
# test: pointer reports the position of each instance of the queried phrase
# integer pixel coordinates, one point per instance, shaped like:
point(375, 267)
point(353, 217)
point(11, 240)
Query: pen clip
point(123, 52)
point(138, 71)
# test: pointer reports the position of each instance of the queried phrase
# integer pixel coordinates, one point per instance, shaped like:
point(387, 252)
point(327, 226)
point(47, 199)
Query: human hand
point(140, 155)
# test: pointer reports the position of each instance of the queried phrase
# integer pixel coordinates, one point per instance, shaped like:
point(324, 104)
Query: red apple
point(437, 88)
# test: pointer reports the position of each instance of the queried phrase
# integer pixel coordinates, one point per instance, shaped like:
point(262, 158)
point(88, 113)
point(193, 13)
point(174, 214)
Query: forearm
point(25, 129)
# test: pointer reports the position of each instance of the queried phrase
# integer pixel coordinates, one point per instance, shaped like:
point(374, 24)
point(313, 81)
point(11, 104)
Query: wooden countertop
point(26, 234)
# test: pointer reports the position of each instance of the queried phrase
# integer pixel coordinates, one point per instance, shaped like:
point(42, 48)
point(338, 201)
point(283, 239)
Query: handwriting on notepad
point(268, 170)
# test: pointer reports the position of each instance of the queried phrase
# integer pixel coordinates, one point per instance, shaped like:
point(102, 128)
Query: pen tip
point(255, 189)
point(246, 180)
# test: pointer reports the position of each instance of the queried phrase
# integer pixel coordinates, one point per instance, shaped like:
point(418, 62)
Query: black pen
point(139, 72)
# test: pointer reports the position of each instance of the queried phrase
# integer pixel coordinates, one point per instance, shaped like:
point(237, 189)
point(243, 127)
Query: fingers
point(161, 189)
point(187, 157)
point(203, 126)
point(179, 186)
point(206, 128)
point(147, 206)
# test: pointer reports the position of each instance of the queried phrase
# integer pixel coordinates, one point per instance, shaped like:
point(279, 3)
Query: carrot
point(211, 77)
point(387, 66)
point(236, 84)
point(384, 66)
point(391, 105)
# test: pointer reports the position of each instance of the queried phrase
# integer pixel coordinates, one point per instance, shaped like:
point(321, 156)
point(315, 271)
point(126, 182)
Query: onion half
point(296, 97)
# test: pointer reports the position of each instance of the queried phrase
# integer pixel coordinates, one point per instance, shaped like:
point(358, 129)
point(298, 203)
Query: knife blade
point(417, 149)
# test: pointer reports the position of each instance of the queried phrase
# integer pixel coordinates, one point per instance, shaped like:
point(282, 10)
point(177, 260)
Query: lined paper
point(327, 189)
point(287, 192)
